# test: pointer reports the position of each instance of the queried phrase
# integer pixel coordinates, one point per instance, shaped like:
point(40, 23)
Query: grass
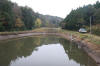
point(21, 32)
point(95, 29)
point(83, 36)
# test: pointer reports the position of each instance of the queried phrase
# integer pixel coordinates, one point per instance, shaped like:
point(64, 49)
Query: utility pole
point(90, 25)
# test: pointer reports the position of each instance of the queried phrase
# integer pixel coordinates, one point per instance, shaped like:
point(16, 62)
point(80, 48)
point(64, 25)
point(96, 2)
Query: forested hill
point(14, 17)
point(49, 21)
point(80, 18)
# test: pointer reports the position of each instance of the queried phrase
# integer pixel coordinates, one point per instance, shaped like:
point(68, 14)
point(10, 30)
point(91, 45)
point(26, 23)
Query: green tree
point(97, 16)
point(79, 17)
point(6, 14)
point(2, 28)
point(97, 5)
point(28, 17)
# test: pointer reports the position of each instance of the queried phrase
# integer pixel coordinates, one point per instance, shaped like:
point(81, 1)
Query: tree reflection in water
point(11, 50)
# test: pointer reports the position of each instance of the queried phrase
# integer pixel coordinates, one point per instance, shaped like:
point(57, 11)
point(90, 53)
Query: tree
point(79, 17)
point(97, 16)
point(2, 28)
point(28, 17)
point(97, 5)
point(7, 15)
point(17, 10)
point(38, 23)
point(19, 23)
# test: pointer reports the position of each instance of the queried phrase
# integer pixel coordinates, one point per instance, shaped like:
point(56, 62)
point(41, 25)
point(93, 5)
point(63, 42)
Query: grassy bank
point(22, 32)
point(83, 36)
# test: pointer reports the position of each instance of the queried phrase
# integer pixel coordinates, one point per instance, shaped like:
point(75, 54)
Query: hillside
point(49, 21)
point(15, 18)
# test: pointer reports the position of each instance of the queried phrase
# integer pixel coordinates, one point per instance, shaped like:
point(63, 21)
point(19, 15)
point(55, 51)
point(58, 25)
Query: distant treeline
point(14, 17)
point(80, 18)
point(50, 21)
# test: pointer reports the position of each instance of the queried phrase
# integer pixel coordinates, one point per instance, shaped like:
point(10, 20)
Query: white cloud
point(59, 8)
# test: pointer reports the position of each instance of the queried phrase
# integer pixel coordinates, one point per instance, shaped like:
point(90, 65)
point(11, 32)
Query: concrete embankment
point(89, 48)
point(94, 53)
point(5, 37)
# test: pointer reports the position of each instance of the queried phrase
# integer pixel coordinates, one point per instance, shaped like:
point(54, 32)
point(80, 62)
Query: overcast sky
point(59, 8)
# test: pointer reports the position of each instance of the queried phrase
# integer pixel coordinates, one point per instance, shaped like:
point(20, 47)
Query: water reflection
point(42, 51)
point(77, 54)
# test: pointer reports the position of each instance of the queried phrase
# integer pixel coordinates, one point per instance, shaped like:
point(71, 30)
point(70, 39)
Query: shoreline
point(86, 46)
point(13, 36)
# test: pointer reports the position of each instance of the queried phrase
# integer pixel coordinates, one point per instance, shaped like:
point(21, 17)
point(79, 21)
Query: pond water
point(42, 51)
